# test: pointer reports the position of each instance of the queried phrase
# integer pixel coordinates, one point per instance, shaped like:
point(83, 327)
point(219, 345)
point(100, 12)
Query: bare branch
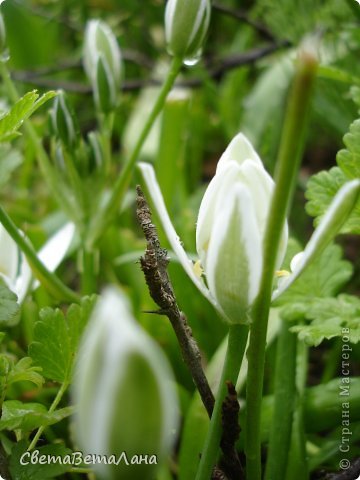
point(154, 266)
point(216, 70)
point(231, 430)
point(244, 17)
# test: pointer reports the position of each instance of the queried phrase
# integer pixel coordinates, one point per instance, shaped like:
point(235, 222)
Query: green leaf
point(17, 415)
point(335, 73)
point(329, 316)
point(310, 298)
point(9, 308)
point(23, 371)
point(293, 20)
point(321, 189)
point(23, 108)
point(323, 278)
point(36, 471)
point(323, 186)
point(56, 338)
point(349, 159)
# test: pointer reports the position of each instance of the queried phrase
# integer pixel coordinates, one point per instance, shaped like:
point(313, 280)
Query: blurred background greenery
point(239, 85)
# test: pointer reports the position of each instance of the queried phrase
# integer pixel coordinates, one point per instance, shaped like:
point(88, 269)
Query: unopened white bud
point(186, 25)
point(231, 227)
point(102, 63)
point(124, 392)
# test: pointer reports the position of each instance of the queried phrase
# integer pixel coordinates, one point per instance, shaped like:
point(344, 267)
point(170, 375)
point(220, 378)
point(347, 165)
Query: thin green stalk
point(105, 214)
point(52, 408)
point(332, 361)
point(77, 184)
point(47, 170)
point(234, 354)
point(89, 269)
point(106, 127)
point(297, 468)
point(291, 148)
point(285, 394)
point(48, 279)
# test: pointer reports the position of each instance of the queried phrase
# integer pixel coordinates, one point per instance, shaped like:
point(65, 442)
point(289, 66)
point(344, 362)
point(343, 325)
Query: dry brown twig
point(154, 266)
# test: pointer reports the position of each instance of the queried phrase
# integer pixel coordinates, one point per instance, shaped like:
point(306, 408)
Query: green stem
point(76, 182)
point(285, 393)
point(332, 361)
point(105, 214)
point(291, 148)
point(106, 127)
point(234, 354)
point(52, 408)
point(48, 279)
point(297, 468)
point(50, 175)
point(89, 270)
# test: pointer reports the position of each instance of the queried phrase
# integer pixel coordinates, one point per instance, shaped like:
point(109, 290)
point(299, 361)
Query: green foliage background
point(232, 93)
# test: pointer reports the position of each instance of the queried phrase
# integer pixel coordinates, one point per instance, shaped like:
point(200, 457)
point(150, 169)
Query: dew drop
point(190, 62)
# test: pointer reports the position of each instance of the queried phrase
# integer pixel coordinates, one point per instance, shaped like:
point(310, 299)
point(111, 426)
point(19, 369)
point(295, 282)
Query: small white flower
point(14, 268)
point(230, 229)
point(231, 226)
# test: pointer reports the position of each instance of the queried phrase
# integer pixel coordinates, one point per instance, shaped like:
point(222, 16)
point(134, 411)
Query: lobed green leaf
point(330, 317)
point(323, 186)
point(56, 339)
point(17, 415)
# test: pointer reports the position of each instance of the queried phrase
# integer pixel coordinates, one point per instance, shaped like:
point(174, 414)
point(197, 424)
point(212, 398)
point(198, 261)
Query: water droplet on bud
point(191, 62)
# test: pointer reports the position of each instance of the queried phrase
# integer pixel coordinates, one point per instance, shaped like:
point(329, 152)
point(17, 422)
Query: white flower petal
point(336, 215)
point(9, 255)
point(239, 150)
point(23, 281)
point(220, 182)
point(261, 186)
point(54, 250)
point(296, 261)
point(201, 16)
point(234, 257)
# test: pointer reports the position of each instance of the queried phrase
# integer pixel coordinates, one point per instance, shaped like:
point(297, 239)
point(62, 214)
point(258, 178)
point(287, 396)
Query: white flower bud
point(64, 121)
point(186, 25)
point(231, 227)
point(126, 402)
point(102, 58)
